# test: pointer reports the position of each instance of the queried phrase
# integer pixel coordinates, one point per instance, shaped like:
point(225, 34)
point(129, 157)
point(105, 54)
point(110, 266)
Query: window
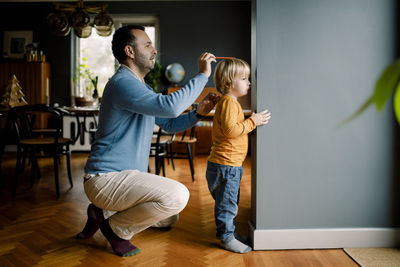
point(95, 58)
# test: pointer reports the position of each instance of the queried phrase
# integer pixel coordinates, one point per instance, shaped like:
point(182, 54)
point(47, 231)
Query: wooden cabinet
point(32, 78)
point(203, 133)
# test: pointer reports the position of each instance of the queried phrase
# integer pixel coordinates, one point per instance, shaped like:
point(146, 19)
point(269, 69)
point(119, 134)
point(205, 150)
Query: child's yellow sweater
point(229, 133)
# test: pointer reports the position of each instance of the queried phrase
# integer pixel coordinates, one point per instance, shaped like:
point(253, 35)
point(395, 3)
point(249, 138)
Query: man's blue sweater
point(129, 109)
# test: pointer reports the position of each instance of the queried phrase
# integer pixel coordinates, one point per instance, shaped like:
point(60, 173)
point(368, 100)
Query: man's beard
point(142, 62)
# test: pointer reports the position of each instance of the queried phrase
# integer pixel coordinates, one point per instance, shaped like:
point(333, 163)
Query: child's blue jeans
point(224, 184)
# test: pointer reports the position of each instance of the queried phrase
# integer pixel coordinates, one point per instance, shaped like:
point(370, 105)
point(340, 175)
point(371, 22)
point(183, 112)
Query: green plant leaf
point(357, 113)
point(396, 103)
point(153, 78)
point(385, 85)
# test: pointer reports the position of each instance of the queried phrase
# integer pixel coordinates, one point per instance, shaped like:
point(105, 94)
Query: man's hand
point(207, 104)
point(262, 117)
point(204, 63)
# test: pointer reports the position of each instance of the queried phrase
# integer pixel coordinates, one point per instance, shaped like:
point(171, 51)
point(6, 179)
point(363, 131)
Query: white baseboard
point(282, 239)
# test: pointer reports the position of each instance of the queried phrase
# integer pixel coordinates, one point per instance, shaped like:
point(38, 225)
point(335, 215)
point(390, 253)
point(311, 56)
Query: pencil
point(224, 57)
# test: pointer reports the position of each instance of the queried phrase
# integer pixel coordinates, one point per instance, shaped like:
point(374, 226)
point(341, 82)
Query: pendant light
point(79, 19)
point(58, 23)
point(103, 23)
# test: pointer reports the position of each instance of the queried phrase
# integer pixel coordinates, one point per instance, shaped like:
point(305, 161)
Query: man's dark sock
point(121, 247)
point(95, 218)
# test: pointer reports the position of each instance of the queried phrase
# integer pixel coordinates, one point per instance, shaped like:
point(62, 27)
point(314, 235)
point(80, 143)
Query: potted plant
point(154, 77)
point(86, 81)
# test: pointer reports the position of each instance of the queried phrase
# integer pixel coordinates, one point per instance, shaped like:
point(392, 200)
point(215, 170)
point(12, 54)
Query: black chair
point(188, 138)
point(33, 142)
point(3, 142)
point(92, 126)
point(159, 149)
point(92, 131)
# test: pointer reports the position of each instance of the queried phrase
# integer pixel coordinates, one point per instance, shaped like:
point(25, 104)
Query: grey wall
point(189, 28)
point(317, 61)
point(186, 30)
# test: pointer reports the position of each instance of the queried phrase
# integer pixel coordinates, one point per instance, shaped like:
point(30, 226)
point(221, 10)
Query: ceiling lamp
point(58, 23)
point(79, 19)
point(103, 23)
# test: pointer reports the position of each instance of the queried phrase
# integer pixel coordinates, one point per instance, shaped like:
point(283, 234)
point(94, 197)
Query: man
point(125, 198)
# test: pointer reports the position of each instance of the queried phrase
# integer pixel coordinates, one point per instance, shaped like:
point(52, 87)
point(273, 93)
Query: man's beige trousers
point(134, 200)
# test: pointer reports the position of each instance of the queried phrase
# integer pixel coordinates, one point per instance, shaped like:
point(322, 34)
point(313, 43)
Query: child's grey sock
point(244, 240)
point(236, 246)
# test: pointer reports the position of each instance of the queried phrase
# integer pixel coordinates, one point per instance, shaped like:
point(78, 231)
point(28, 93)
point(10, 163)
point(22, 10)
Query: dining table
point(84, 112)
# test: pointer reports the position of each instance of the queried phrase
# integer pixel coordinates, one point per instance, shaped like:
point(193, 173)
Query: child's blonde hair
point(226, 70)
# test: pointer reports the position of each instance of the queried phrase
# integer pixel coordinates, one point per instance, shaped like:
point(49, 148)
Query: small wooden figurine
point(13, 94)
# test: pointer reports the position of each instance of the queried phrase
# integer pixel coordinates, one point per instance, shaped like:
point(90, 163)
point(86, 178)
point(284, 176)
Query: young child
point(230, 141)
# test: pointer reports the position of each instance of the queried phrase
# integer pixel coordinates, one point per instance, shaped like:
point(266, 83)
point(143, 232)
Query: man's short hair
point(226, 71)
point(122, 37)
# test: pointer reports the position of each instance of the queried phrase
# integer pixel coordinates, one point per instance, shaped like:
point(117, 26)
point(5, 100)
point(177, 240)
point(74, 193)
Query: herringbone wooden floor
point(36, 229)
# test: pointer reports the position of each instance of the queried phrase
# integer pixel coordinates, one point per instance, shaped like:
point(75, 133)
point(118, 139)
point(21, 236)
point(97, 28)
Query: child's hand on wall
point(262, 117)
point(204, 63)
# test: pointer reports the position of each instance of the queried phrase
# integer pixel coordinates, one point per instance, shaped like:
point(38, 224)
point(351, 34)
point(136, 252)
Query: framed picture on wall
point(14, 43)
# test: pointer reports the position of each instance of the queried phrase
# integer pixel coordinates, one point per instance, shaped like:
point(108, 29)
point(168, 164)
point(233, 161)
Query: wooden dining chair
point(92, 129)
point(3, 142)
point(188, 138)
point(34, 143)
point(159, 149)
